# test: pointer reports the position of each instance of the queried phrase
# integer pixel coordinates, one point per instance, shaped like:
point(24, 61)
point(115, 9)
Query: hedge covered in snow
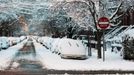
point(128, 50)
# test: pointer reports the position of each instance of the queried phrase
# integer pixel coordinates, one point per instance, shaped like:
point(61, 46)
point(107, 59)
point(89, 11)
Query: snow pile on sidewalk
point(52, 61)
point(7, 55)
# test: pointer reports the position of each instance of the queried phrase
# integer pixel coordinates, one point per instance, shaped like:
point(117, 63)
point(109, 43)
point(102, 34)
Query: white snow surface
point(71, 47)
point(129, 32)
point(53, 61)
point(7, 55)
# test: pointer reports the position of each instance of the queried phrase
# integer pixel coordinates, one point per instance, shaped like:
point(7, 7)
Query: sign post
point(103, 24)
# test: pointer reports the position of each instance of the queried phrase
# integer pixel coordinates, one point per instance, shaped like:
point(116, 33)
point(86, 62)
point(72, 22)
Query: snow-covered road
point(25, 59)
point(46, 60)
point(7, 55)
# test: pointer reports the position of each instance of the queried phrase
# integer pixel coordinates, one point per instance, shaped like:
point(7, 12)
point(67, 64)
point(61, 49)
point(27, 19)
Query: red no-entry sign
point(103, 23)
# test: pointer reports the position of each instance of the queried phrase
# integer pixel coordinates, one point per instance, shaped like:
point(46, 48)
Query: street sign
point(103, 23)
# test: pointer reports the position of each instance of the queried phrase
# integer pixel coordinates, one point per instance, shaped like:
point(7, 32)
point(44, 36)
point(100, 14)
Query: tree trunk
point(98, 35)
point(89, 46)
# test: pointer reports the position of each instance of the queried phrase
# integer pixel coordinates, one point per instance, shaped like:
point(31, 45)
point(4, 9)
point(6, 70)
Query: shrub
point(128, 47)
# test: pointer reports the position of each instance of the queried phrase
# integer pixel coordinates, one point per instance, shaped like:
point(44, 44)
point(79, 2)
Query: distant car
point(4, 42)
point(22, 38)
point(36, 38)
point(10, 39)
point(16, 40)
point(39, 40)
point(44, 41)
point(70, 48)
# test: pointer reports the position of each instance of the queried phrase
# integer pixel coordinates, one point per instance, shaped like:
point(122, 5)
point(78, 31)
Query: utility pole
point(104, 45)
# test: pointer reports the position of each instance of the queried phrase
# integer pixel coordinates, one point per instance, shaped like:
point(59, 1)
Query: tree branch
point(117, 10)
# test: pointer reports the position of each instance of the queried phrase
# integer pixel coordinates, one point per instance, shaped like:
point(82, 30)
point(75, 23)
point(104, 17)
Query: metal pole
point(89, 46)
point(104, 48)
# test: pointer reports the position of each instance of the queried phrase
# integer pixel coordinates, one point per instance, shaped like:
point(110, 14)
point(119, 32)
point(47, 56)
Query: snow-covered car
point(44, 41)
point(36, 38)
point(22, 38)
point(39, 40)
point(4, 42)
point(11, 40)
point(48, 42)
point(70, 48)
point(16, 40)
point(55, 44)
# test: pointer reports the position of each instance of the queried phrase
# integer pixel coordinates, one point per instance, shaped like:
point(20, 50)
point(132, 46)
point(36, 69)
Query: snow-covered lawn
point(7, 55)
point(53, 61)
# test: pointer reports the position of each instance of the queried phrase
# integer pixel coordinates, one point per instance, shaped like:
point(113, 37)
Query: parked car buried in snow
point(22, 38)
point(11, 41)
point(54, 47)
point(44, 41)
point(4, 42)
point(70, 48)
point(16, 40)
point(49, 43)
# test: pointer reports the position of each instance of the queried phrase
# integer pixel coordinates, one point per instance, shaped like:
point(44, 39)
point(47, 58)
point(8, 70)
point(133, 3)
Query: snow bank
point(129, 32)
point(7, 55)
point(53, 61)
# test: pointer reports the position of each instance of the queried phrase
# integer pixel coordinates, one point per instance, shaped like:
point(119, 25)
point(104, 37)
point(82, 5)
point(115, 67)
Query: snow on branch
point(115, 13)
